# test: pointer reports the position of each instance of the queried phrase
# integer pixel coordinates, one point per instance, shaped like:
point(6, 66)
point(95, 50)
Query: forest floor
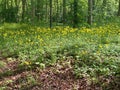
point(36, 58)
point(57, 77)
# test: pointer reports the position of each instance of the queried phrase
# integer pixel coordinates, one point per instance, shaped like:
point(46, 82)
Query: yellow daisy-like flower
point(100, 46)
point(27, 63)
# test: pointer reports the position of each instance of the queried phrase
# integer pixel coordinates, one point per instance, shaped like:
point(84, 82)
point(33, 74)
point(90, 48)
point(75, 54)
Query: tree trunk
point(37, 12)
point(75, 18)
point(90, 9)
point(50, 13)
point(23, 9)
point(64, 11)
point(47, 11)
point(57, 12)
point(93, 11)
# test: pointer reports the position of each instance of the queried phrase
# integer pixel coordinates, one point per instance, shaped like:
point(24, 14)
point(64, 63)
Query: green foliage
point(2, 64)
point(95, 50)
point(37, 12)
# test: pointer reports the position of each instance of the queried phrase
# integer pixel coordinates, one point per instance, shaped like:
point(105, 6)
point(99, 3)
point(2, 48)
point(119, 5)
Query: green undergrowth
point(95, 51)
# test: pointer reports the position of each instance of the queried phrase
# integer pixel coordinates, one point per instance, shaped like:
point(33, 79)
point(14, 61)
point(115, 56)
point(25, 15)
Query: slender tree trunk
point(17, 10)
point(57, 12)
point(90, 9)
point(75, 18)
point(38, 10)
point(64, 11)
point(60, 14)
point(119, 9)
point(4, 7)
point(93, 9)
point(47, 11)
point(23, 9)
point(50, 13)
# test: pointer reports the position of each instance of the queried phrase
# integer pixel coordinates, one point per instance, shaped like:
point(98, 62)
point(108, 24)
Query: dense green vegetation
point(90, 52)
point(59, 12)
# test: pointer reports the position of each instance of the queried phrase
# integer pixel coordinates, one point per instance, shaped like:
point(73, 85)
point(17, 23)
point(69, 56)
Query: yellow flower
point(100, 46)
point(84, 52)
point(98, 52)
point(106, 45)
point(27, 63)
